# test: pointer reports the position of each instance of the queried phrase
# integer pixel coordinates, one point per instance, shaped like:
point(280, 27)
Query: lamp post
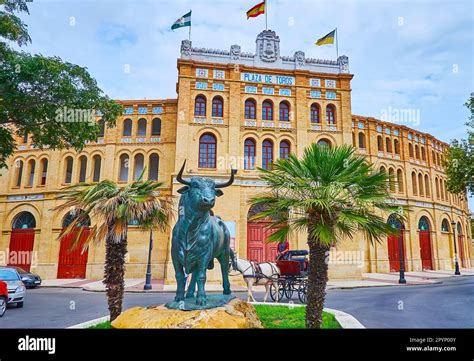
point(456, 263)
point(402, 279)
point(148, 267)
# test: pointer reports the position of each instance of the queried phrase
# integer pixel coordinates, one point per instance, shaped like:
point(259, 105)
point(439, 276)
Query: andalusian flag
point(327, 39)
point(183, 21)
point(257, 10)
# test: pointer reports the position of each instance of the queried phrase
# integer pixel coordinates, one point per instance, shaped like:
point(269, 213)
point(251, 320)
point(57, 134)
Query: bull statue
point(199, 237)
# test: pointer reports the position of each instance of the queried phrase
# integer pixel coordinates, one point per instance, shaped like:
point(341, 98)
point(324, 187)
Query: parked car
point(3, 298)
point(15, 286)
point(30, 280)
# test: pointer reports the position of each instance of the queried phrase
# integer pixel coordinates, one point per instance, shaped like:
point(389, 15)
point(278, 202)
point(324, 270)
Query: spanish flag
point(327, 39)
point(257, 10)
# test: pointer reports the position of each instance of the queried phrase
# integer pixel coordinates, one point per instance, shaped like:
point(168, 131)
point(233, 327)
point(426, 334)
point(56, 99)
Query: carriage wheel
point(277, 290)
point(289, 289)
point(302, 292)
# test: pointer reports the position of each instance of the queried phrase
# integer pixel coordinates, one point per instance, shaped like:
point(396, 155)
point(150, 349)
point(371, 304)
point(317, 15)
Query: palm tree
point(328, 193)
point(114, 208)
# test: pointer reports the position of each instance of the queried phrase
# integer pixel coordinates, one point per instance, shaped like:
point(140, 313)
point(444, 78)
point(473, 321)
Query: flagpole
point(266, 15)
point(337, 45)
point(190, 27)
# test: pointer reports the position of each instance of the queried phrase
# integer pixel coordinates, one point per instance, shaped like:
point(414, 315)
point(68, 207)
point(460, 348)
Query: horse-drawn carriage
point(293, 276)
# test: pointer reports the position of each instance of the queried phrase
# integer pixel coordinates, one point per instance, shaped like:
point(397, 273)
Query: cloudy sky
point(415, 54)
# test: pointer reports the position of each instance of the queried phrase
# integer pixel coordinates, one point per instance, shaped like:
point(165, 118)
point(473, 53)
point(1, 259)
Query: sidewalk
point(369, 280)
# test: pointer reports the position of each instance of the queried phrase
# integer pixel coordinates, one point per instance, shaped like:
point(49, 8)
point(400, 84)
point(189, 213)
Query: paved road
point(449, 304)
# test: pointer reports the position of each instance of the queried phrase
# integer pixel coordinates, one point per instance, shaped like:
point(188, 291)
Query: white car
point(16, 288)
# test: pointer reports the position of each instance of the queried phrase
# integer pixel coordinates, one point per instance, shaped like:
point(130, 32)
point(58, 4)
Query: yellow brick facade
point(178, 140)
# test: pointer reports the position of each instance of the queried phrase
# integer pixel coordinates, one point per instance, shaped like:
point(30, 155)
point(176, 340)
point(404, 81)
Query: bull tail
point(233, 259)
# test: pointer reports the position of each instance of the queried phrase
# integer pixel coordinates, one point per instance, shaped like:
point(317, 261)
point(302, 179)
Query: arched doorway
point(425, 243)
point(257, 232)
point(461, 245)
point(72, 262)
point(393, 244)
point(22, 240)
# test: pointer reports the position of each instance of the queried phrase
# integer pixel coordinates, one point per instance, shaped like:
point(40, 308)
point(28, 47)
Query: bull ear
point(219, 192)
point(183, 190)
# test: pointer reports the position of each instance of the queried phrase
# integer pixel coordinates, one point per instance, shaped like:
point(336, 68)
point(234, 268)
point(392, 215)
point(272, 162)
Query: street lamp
point(402, 279)
point(456, 269)
point(148, 267)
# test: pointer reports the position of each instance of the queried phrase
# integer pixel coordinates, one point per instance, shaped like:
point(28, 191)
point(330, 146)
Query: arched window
point(438, 159)
point(459, 229)
point(267, 154)
point(315, 113)
point(394, 221)
point(396, 146)
point(391, 174)
point(410, 150)
point(423, 154)
point(217, 107)
point(97, 166)
point(324, 142)
point(31, 172)
point(413, 183)
point(361, 140)
point(127, 128)
point(441, 188)
point(44, 172)
point(437, 188)
point(200, 106)
point(156, 126)
point(154, 167)
point(138, 166)
point(19, 172)
point(72, 215)
point(124, 165)
point(24, 220)
point(101, 128)
point(400, 180)
point(417, 152)
point(284, 111)
point(330, 114)
point(388, 145)
point(433, 157)
point(427, 186)
point(25, 138)
point(284, 149)
point(353, 139)
point(267, 110)
point(445, 225)
point(82, 168)
point(207, 151)
point(250, 109)
point(141, 132)
point(379, 143)
point(249, 154)
point(420, 184)
point(383, 170)
point(424, 224)
point(68, 170)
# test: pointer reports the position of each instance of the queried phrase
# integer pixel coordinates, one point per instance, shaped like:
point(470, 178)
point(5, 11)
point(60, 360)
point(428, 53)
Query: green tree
point(459, 159)
point(112, 209)
point(328, 193)
point(53, 101)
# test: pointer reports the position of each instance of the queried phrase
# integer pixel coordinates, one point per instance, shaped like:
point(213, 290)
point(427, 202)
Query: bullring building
point(244, 110)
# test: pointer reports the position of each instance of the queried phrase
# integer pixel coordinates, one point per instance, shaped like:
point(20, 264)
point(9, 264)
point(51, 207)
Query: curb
point(90, 323)
point(345, 320)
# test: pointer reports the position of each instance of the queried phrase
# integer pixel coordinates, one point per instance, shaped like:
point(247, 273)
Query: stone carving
point(299, 58)
point(186, 46)
point(268, 46)
point(343, 62)
point(235, 52)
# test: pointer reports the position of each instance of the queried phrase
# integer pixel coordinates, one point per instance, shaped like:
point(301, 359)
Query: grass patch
point(103, 325)
point(290, 317)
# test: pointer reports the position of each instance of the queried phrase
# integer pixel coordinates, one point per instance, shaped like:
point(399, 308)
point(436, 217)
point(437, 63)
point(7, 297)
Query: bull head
point(202, 191)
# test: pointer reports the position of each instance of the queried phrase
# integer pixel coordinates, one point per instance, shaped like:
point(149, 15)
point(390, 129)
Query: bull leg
point(224, 261)
point(180, 283)
point(191, 286)
point(201, 283)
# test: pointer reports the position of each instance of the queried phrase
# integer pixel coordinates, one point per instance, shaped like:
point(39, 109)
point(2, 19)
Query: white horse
point(259, 274)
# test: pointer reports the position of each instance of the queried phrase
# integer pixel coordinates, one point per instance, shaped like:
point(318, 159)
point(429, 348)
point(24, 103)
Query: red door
point(21, 248)
point(394, 253)
point(425, 250)
point(73, 263)
point(257, 249)
point(461, 250)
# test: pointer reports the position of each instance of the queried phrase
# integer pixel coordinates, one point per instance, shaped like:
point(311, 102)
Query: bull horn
point(179, 177)
point(229, 182)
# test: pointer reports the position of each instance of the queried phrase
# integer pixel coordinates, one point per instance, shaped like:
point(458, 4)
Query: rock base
point(235, 314)
point(189, 304)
